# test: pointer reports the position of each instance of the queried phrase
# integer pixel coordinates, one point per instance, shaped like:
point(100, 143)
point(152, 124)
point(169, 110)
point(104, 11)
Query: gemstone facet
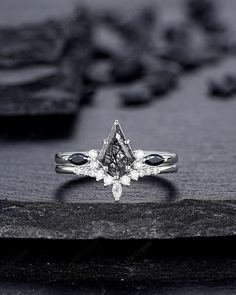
point(78, 159)
point(116, 153)
point(154, 160)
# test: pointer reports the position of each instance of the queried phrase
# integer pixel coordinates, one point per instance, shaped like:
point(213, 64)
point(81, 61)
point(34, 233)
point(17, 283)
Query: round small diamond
point(142, 173)
point(93, 154)
point(79, 171)
point(134, 175)
point(148, 171)
point(108, 180)
point(91, 173)
point(99, 175)
point(139, 154)
point(156, 170)
point(138, 165)
point(94, 165)
point(125, 180)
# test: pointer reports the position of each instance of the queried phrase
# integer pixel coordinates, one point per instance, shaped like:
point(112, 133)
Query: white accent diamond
point(99, 175)
point(125, 180)
point(108, 180)
point(79, 171)
point(117, 190)
point(93, 154)
point(148, 171)
point(138, 165)
point(134, 174)
point(156, 170)
point(94, 165)
point(91, 173)
point(139, 154)
point(142, 173)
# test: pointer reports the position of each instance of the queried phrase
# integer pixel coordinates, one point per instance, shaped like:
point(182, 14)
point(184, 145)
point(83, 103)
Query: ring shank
point(70, 169)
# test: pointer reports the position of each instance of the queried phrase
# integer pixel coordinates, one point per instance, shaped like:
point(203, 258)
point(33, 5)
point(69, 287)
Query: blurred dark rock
point(136, 95)
point(206, 14)
point(38, 90)
point(135, 27)
point(178, 33)
point(42, 65)
point(162, 80)
point(186, 45)
point(224, 88)
point(189, 57)
point(99, 72)
point(224, 43)
point(127, 67)
point(107, 42)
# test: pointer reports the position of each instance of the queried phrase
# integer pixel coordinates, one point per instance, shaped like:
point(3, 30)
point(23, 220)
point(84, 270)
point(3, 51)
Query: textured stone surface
point(189, 266)
point(117, 221)
point(41, 63)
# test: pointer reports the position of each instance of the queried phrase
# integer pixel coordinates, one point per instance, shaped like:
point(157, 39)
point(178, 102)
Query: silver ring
point(116, 163)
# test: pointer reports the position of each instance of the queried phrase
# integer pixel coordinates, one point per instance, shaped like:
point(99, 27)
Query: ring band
point(116, 163)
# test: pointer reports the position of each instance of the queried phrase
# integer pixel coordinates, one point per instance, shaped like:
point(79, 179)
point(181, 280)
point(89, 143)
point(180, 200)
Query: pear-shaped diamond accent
point(116, 154)
point(117, 190)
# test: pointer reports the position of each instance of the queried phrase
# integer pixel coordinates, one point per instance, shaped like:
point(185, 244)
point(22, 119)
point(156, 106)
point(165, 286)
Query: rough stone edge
point(187, 218)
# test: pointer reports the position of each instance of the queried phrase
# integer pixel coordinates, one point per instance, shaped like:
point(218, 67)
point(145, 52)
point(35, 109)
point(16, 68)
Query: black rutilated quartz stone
point(78, 159)
point(116, 154)
point(154, 160)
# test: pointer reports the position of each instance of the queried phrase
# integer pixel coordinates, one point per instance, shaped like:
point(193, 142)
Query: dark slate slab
point(42, 60)
point(117, 221)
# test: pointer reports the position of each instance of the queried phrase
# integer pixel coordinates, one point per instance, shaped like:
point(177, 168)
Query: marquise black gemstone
point(78, 159)
point(154, 160)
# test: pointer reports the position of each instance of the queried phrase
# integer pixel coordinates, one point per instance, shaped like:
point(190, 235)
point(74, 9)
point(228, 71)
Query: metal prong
point(105, 141)
point(116, 122)
point(116, 177)
point(127, 141)
point(105, 168)
point(127, 168)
